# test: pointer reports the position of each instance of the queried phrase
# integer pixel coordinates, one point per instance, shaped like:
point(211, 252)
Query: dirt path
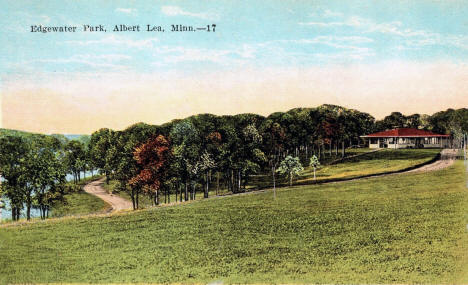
point(117, 203)
point(447, 158)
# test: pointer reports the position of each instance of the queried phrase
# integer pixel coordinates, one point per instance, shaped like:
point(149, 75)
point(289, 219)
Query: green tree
point(205, 164)
point(13, 150)
point(291, 166)
point(315, 163)
point(75, 158)
point(273, 143)
point(186, 149)
point(99, 145)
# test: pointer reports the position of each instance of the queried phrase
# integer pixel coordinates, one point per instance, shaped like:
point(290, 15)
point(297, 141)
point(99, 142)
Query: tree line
point(196, 155)
point(33, 170)
point(206, 152)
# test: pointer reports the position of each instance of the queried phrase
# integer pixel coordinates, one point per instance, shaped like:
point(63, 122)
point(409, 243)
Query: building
point(408, 138)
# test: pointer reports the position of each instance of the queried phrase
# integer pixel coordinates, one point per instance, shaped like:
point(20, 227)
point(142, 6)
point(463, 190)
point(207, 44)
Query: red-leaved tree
point(153, 157)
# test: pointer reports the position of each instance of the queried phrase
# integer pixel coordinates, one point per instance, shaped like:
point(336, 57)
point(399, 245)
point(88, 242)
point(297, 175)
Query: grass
point(144, 200)
point(383, 161)
point(409, 228)
point(386, 160)
point(326, 158)
point(79, 203)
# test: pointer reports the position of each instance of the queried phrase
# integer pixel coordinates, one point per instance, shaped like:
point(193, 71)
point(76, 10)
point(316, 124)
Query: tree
point(314, 162)
point(13, 150)
point(291, 166)
point(186, 149)
point(206, 163)
point(153, 156)
point(31, 165)
point(99, 146)
point(273, 135)
point(75, 158)
point(51, 174)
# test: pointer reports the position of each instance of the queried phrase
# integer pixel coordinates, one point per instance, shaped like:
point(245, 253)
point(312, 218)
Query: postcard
point(220, 142)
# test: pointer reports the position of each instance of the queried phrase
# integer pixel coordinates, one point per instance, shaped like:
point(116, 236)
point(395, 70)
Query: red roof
point(405, 132)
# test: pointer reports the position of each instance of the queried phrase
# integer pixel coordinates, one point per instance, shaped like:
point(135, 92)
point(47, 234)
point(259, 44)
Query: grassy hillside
point(386, 160)
point(409, 228)
point(80, 203)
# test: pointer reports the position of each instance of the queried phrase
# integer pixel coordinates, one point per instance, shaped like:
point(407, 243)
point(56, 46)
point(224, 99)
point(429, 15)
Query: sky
point(263, 57)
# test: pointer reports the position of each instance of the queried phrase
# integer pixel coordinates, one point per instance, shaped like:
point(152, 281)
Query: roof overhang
point(414, 136)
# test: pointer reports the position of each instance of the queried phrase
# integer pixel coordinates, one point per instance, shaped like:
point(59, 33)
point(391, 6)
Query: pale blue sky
point(259, 33)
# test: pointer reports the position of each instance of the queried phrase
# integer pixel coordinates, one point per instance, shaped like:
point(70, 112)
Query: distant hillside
point(82, 138)
point(8, 132)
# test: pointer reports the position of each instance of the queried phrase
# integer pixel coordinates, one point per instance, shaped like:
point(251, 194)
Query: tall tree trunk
point(239, 181)
point(274, 182)
point(194, 190)
point(13, 213)
point(28, 205)
point(217, 183)
point(206, 185)
point(290, 179)
point(137, 200)
point(180, 193)
point(232, 181)
point(132, 195)
point(186, 191)
point(342, 149)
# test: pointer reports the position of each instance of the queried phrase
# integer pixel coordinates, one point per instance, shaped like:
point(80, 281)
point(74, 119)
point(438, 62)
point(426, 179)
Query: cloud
point(396, 28)
point(126, 10)
point(330, 14)
point(90, 60)
point(45, 19)
point(177, 11)
point(179, 54)
point(323, 24)
point(343, 39)
point(118, 41)
point(348, 47)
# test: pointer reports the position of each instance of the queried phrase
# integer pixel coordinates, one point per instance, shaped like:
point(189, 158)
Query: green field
point(386, 160)
point(383, 161)
point(379, 162)
point(80, 203)
point(409, 228)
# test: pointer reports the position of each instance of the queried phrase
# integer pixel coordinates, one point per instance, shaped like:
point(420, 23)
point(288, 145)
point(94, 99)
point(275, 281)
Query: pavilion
point(408, 138)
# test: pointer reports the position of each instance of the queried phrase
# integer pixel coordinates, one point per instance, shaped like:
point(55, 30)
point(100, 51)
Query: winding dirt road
point(117, 203)
point(447, 159)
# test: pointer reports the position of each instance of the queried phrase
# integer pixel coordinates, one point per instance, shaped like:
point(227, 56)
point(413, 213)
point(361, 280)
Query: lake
point(5, 212)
